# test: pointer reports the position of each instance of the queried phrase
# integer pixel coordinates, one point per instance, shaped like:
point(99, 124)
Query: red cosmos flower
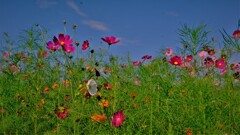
point(118, 118)
point(220, 63)
point(110, 40)
point(107, 86)
point(85, 45)
point(62, 40)
point(62, 115)
point(168, 51)
point(136, 63)
point(188, 58)
point(236, 34)
point(208, 62)
point(52, 46)
point(69, 48)
point(176, 60)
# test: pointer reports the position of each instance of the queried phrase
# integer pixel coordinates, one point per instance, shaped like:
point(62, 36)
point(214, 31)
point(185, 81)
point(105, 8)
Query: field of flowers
point(59, 85)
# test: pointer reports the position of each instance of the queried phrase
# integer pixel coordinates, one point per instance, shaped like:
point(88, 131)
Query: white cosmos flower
point(92, 87)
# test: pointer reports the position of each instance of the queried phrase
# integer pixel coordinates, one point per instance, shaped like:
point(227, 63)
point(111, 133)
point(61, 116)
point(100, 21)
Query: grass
point(168, 99)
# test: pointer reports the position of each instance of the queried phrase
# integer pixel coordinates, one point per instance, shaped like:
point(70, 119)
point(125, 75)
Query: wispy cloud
point(75, 7)
point(46, 3)
point(172, 13)
point(95, 25)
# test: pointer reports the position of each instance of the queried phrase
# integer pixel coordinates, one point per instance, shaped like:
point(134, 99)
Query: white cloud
point(75, 8)
point(46, 3)
point(95, 25)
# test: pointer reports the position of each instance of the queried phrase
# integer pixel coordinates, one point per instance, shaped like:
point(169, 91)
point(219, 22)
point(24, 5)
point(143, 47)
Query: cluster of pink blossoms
point(63, 41)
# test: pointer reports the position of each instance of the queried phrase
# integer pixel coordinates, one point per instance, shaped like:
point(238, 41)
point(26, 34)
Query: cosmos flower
point(208, 62)
point(92, 87)
point(168, 51)
point(85, 45)
point(176, 60)
point(6, 54)
point(211, 52)
point(223, 71)
point(236, 34)
point(104, 103)
point(220, 63)
point(147, 57)
point(99, 117)
point(202, 54)
point(69, 48)
point(108, 86)
point(118, 118)
point(62, 115)
point(110, 40)
point(52, 46)
point(188, 58)
point(136, 63)
point(62, 40)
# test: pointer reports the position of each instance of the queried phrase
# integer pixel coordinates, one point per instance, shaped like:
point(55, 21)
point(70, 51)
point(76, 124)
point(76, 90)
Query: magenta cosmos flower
point(110, 40)
point(208, 62)
point(136, 63)
point(168, 51)
point(220, 63)
point(69, 48)
point(146, 57)
point(176, 60)
point(52, 46)
point(118, 118)
point(62, 40)
point(236, 34)
point(85, 45)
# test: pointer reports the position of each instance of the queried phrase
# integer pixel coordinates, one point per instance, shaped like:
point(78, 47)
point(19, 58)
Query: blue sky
point(144, 26)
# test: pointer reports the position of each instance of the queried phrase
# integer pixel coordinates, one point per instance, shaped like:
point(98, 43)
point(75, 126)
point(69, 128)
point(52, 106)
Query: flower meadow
point(61, 85)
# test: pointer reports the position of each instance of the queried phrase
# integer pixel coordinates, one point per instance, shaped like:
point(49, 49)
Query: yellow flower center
point(175, 63)
point(62, 43)
point(118, 120)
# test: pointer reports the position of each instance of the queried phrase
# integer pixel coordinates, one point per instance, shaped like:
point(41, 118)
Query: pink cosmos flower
point(6, 54)
point(69, 48)
point(176, 60)
point(168, 51)
point(136, 63)
point(220, 63)
point(62, 40)
point(236, 34)
point(146, 57)
point(52, 46)
point(223, 71)
point(110, 40)
point(208, 62)
point(85, 45)
point(118, 118)
point(202, 54)
point(188, 58)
